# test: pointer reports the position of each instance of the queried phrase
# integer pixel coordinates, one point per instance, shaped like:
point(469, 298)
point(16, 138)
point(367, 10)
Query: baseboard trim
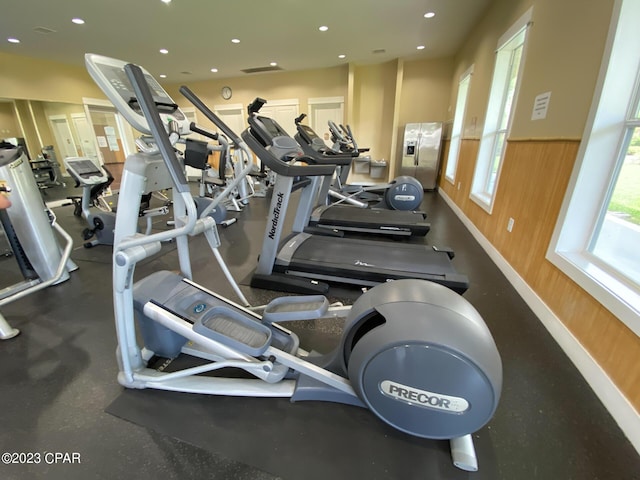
point(625, 415)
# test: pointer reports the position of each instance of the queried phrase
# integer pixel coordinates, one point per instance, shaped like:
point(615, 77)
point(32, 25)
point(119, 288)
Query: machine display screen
point(308, 131)
point(120, 83)
point(272, 128)
point(85, 167)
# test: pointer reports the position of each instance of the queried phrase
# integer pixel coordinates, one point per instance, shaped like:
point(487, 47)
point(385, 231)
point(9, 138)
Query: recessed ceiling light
point(164, 51)
point(166, 1)
point(235, 40)
point(273, 64)
point(420, 47)
point(13, 40)
point(162, 75)
point(77, 21)
point(323, 28)
point(429, 15)
point(214, 70)
point(342, 55)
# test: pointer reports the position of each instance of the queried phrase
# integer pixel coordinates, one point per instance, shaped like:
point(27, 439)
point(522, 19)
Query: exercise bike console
point(85, 172)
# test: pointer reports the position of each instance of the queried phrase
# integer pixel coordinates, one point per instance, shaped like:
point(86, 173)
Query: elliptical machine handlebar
point(196, 129)
point(344, 137)
point(150, 110)
point(178, 179)
point(351, 137)
point(335, 131)
point(207, 112)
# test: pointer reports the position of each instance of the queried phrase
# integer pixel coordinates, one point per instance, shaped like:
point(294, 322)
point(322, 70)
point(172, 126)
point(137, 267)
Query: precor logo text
point(423, 398)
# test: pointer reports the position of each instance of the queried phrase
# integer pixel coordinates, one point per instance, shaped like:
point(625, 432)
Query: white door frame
point(63, 121)
point(314, 103)
point(92, 137)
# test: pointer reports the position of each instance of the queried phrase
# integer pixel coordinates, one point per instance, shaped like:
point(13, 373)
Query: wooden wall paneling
point(444, 156)
point(464, 175)
point(531, 190)
point(532, 185)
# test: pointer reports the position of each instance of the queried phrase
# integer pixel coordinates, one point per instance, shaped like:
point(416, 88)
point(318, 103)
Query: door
point(62, 134)
point(323, 110)
point(232, 116)
point(85, 135)
point(284, 112)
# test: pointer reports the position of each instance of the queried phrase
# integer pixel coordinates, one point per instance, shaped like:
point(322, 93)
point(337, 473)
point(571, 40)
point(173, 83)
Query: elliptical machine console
point(110, 77)
point(414, 353)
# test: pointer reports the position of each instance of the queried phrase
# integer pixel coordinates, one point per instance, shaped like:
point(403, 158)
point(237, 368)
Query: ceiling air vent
point(379, 50)
point(44, 30)
point(261, 69)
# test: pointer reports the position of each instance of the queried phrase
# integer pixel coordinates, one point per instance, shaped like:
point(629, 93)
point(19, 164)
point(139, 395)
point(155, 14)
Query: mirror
point(52, 131)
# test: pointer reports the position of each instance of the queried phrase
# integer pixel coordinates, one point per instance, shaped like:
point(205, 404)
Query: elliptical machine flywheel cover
point(404, 193)
point(428, 366)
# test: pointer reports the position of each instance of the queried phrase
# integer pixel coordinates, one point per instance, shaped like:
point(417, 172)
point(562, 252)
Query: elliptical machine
point(401, 193)
point(395, 335)
point(340, 215)
point(196, 155)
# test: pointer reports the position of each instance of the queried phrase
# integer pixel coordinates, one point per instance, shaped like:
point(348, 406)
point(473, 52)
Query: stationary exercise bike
point(94, 180)
point(415, 353)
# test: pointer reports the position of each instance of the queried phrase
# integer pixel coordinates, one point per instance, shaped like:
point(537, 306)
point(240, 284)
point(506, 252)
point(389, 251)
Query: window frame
point(496, 110)
point(457, 127)
point(595, 168)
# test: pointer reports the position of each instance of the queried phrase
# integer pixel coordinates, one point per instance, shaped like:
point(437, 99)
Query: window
point(598, 231)
point(458, 121)
point(504, 87)
point(617, 236)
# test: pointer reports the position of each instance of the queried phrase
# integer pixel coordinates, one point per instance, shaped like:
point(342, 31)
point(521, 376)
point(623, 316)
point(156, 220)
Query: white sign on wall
point(540, 106)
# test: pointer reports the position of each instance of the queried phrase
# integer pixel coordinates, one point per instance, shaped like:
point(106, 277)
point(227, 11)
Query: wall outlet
point(510, 224)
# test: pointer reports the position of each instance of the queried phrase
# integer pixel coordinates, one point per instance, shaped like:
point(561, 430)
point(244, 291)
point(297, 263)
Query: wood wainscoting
point(532, 186)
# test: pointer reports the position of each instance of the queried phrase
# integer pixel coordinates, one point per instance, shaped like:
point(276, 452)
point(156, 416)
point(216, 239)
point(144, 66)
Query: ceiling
point(198, 33)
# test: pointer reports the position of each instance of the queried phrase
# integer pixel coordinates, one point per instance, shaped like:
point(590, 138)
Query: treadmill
point(307, 263)
point(349, 218)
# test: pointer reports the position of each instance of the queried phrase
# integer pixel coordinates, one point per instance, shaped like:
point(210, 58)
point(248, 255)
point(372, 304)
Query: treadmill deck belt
point(368, 261)
point(372, 218)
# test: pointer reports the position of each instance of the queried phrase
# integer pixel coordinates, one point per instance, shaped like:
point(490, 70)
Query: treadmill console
point(110, 76)
point(307, 132)
point(308, 135)
point(274, 138)
point(268, 129)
